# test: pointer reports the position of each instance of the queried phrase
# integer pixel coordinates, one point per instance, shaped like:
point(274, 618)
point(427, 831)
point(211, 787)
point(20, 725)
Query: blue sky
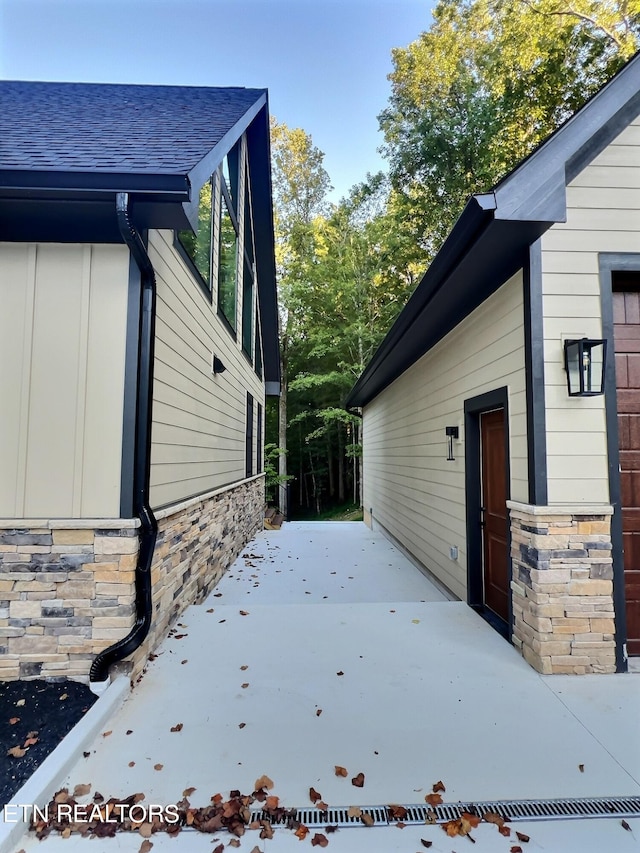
point(325, 62)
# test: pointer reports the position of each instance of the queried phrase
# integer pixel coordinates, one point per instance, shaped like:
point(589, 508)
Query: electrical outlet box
point(453, 552)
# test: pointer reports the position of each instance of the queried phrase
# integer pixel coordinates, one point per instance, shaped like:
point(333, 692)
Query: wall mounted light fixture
point(452, 433)
point(218, 366)
point(584, 361)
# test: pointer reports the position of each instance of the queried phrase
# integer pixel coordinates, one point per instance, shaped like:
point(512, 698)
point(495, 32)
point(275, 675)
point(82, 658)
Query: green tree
point(481, 88)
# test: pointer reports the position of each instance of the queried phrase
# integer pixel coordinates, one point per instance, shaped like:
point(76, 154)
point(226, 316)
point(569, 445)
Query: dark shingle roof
point(80, 127)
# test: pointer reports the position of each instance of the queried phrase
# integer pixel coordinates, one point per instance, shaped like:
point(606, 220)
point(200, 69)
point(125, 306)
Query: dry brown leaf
point(263, 782)
point(426, 843)
point(14, 720)
point(504, 830)
point(188, 791)
point(625, 825)
point(397, 812)
point(210, 610)
point(145, 830)
point(145, 846)
point(186, 660)
point(319, 840)
point(301, 832)
point(522, 837)
point(314, 796)
point(341, 771)
point(132, 764)
point(16, 752)
point(106, 734)
point(241, 725)
point(66, 832)
point(516, 849)
point(439, 786)
point(81, 790)
point(244, 612)
point(433, 799)
point(400, 825)
point(367, 819)
point(354, 811)
point(177, 728)
point(244, 667)
point(234, 843)
point(340, 673)
point(318, 712)
point(494, 817)
point(158, 766)
point(358, 781)
point(245, 685)
point(322, 806)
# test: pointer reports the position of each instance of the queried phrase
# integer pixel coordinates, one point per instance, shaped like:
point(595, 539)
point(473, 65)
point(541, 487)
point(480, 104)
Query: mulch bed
point(39, 711)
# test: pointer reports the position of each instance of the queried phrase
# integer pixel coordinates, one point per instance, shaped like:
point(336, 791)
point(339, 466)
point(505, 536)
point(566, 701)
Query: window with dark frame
point(259, 462)
point(198, 246)
point(227, 262)
point(249, 437)
point(248, 275)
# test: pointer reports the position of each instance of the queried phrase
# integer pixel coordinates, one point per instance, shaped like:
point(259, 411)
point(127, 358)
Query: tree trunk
point(282, 432)
point(341, 490)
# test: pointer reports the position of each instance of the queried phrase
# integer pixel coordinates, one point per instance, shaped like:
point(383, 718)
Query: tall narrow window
point(249, 437)
point(247, 275)
point(227, 264)
point(198, 246)
point(259, 464)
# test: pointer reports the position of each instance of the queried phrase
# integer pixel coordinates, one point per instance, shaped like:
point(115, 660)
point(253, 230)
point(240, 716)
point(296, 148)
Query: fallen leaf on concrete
point(397, 812)
point(358, 781)
point(145, 846)
point(158, 766)
point(340, 673)
point(341, 771)
point(244, 667)
point(321, 806)
point(177, 728)
point(494, 817)
point(581, 768)
point(301, 832)
point(314, 796)
point(241, 725)
point(522, 837)
point(244, 612)
point(426, 843)
point(319, 840)
point(433, 799)
point(438, 786)
point(367, 819)
point(263, 782)
point(106, 734)
point(145, 830)
point(245, 685)
point(625, 825)
point(504, 830)
point(16, 752)
point(318, 712)
point(516, 849)
point(81, 790)
point(354, 811)
point(188, 791)
point(129, 732)
point(184, 661)
point(210, 610)
point(132, 764)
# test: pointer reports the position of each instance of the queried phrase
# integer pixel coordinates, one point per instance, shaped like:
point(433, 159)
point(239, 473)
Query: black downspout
point(142, 461)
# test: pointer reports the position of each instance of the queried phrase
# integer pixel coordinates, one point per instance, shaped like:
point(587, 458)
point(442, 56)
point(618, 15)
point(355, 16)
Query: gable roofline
point(490, 239)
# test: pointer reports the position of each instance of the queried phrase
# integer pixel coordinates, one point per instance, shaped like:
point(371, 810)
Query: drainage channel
point(511, 810)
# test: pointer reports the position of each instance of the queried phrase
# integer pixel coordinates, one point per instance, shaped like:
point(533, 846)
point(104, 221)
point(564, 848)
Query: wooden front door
point(494, 513)
point(626, 330)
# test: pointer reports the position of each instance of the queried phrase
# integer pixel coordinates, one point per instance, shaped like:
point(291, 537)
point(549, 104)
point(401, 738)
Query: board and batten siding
point(62, 359)
point(199, 420)
point(414, 493)
point(603, 215)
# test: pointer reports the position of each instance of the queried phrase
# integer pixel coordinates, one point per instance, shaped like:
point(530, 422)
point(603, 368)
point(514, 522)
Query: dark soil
point(50, 710)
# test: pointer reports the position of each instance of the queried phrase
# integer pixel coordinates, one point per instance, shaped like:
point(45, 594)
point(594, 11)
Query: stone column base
point(562, 587)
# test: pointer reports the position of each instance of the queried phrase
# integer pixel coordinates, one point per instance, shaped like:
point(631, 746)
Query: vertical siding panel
point(107, 324)
point(81, 392)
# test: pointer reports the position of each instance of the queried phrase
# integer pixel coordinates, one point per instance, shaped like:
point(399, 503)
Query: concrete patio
point(324, 646)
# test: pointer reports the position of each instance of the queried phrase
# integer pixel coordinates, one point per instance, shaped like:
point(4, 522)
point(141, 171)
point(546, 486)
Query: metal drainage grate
point(512, 810)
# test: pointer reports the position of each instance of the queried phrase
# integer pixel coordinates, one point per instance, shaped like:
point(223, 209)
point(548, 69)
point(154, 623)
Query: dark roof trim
point(55, 181)
point(530, 199)
point(202, 171)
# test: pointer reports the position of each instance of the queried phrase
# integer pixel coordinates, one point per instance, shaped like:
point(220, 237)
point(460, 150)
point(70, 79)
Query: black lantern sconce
point(452, 434)
point(584, 361)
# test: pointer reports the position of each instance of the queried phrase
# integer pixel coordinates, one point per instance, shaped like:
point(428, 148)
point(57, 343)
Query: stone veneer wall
point(562, 587)
point(66, 592)
point(67, 587)
point(197, 542)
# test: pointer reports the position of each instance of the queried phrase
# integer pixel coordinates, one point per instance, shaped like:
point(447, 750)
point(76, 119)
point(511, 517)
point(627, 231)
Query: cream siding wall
point(603, 215)
point(414, 492)
point(62, 352)
point(198, 435)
